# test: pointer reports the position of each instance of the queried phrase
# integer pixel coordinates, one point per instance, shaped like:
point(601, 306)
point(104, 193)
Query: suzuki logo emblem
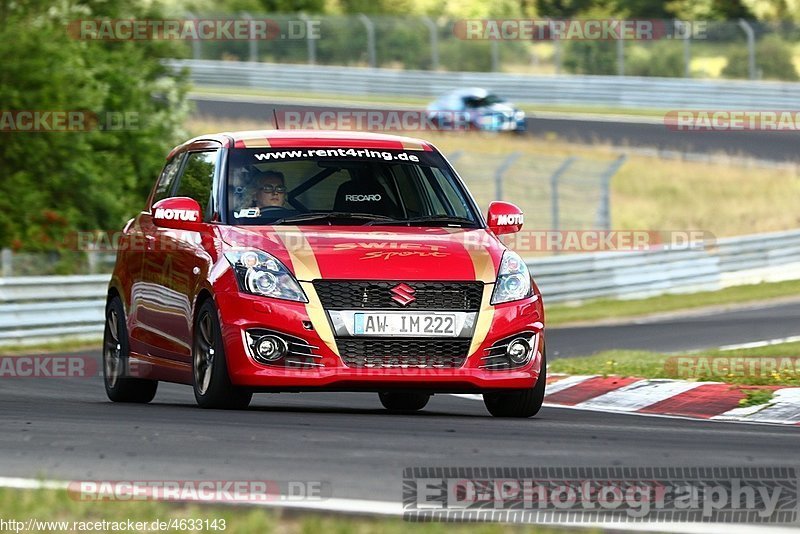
point(403, 294)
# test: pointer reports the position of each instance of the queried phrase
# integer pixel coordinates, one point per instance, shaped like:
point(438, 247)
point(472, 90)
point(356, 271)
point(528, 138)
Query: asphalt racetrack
point(65, 429)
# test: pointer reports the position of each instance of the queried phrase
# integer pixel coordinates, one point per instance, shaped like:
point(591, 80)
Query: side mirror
point(178, 213)
point(504, 218)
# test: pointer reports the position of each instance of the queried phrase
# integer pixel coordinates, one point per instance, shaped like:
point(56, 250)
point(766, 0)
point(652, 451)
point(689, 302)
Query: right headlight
point(260, 273)
point(513, 279)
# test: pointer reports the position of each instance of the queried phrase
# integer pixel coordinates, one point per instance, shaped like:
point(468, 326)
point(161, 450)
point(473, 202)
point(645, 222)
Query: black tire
point(116, 351)
point(404, 401)
point(210, 380)
point(519, 403)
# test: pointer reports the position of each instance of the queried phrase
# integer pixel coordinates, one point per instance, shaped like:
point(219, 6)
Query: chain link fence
point(701, 49)
point(555, 193)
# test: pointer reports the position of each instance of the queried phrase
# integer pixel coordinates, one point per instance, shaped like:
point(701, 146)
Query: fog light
point(518, 351)
point(270, 348)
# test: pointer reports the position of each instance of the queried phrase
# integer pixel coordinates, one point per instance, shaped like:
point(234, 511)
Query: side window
point(455, 202)
point(167, 178)
point(197, 180)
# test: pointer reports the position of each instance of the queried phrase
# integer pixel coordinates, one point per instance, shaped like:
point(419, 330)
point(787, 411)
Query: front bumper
point(241, 312)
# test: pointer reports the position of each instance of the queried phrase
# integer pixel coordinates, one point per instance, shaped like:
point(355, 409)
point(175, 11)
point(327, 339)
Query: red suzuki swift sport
point(271, 261)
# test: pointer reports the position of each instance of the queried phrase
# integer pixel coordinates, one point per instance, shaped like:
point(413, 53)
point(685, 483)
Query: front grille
point(371, 295)
point(408, 352)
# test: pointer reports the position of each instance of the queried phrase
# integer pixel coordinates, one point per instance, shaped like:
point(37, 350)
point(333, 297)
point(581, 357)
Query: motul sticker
point(175, 214)
point(509, 219)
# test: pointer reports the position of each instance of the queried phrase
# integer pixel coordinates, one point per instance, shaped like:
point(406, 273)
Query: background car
point(479, 108)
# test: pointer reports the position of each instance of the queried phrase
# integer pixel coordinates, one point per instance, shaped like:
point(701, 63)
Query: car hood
point(499, 108)
point(375, 253)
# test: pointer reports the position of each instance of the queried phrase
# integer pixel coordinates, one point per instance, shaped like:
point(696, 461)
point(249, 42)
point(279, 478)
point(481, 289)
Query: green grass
point(647, 193)
point(594, 310)
point(780, 365)
point(57, 505)
point(756, 397)
point(68, 345)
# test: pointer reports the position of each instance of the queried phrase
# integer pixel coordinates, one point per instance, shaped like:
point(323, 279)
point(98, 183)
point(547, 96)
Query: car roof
point(308, 138)
point(477, 92)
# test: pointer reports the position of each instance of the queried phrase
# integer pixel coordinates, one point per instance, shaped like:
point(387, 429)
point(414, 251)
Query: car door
point(177, 262)
point(144, 301)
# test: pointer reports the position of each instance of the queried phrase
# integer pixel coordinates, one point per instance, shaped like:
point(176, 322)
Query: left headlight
point(260, 273)
point(513, 280)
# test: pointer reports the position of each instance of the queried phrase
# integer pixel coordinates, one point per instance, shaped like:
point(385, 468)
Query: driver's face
point(267, 192)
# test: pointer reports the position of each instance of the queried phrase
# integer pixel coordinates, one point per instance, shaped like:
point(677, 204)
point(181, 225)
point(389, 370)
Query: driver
point(270, 190)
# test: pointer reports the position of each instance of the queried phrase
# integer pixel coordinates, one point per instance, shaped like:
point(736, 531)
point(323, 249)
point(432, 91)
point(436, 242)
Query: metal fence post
point(557, 59)
point(620, 56)
point(197, 50)
point(751, 48)
point(251, 43)
point(495, 50)
point(434, 35)
point(91, 259)
point(311, 45)
point(556, 176)
point(501, 170)
point(686, 30)
point(604, 209)
point(370, 26)
point(7, 259)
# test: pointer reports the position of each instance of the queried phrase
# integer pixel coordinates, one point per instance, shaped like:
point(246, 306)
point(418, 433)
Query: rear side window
point(197, 180)
point(167, 178)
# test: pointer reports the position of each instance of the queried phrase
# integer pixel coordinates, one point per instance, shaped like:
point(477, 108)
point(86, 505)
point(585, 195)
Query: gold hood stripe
point(485, 318)
point(306, 269)
point(484, 272)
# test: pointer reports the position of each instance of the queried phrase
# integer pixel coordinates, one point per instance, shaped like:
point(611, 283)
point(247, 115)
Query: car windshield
point(352, 186)
point(481, 102)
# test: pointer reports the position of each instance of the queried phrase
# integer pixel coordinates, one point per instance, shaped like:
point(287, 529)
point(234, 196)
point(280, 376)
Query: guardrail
point(37, 309)
point(50, 308)
point(610, 91)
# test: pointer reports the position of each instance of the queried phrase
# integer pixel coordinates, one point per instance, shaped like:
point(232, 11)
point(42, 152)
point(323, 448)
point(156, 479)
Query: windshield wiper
point(329, 216)
point(443, 219)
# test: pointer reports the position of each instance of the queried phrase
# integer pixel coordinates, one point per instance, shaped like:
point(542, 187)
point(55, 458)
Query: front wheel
point(404, 401)
point(210, 379)
point(116, 369)
point(519, 403)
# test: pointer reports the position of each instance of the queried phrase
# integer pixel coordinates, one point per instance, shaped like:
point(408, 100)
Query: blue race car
point(477, 109)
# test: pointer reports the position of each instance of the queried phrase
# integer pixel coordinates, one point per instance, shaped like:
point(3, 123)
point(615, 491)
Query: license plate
point(410, 324)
